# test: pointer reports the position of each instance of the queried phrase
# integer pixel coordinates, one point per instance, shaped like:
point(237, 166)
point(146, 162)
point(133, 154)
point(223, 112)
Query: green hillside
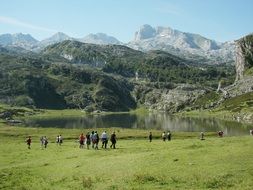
point(94, 77)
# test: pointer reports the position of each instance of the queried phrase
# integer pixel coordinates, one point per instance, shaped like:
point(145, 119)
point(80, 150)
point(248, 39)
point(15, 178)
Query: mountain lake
point(158, 121)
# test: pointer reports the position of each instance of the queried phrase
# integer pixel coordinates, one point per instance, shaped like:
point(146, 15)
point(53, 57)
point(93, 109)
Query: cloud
point(15, 22)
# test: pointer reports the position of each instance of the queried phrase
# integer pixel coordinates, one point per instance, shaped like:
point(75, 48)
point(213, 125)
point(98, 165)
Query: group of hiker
point(43, 141)
point(93, 140)
point(88, 139)
point(202, 135)
point(164, 136)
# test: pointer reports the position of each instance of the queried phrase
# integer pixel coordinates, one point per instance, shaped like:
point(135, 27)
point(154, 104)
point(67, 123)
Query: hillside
point(37, 82)
point(153, 66)
point(72, 74)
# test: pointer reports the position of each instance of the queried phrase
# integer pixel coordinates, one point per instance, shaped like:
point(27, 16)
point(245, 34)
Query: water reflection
point(160, 121)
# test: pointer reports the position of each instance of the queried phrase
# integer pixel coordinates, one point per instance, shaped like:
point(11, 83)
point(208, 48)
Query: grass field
point(183, 163)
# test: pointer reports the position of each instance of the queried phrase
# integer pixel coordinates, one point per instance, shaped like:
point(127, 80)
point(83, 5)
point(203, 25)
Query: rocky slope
point(236, 101)
point(172, 99)
point(244, 64)
point(244, 55)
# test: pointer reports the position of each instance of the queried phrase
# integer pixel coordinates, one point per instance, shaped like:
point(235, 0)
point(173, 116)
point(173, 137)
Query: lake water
point(160, 121)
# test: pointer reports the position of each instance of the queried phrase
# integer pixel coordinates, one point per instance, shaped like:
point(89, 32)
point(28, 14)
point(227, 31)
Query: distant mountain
point(181, 43)
point(100, 38)
point(190, 46)
point(58, 37)
point(25, 41)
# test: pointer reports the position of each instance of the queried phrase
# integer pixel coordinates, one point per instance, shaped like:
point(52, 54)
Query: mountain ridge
point(187, 45)
point(181, 43)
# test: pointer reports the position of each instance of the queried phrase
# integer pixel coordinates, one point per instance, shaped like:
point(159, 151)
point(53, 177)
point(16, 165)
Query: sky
point(221, 20)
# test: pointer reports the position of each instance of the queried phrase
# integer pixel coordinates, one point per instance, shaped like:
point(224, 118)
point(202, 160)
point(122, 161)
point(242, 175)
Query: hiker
point(41, 141)
point(29, 142)
point(96, 140)
point(45, 141)
point(60, 140)
point(163, 136)
point(57, 140)
point(81, 140)
point(113, 140)
point(104, 139)
point(150, 136)
point(220, 133)
point(88, 139)
point(169, 136)
point(202, 136)
point(92, 139)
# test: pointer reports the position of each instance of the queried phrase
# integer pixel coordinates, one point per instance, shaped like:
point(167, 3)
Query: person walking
point(88, 140)
point(92, 139)
point(113, 140)
point(202, 135)
point(150, 136)
point(57, 140)
point(81, 141)
point(96, 140)
point(42, 141)
point(104, 139)
point(220, 133)
point(45, 141)
point(29, 142)
point(169, 136)
point(163, 136)
point(60, 140)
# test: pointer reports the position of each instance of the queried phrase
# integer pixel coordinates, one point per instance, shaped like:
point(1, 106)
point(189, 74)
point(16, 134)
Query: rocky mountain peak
point(181, 44)
point(146, 31)
point(100, 38)
point(13, 39)
point(60, 36)
point(57, 37)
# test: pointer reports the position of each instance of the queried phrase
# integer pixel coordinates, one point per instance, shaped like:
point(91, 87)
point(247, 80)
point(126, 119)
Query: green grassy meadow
point(183, 163)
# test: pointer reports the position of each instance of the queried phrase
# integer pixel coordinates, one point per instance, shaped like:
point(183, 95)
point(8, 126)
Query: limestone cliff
point(244, 55)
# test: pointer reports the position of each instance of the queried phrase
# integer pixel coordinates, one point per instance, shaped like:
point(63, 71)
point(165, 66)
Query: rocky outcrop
point(244, 55)
point(169, 100)
point(242, 86)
